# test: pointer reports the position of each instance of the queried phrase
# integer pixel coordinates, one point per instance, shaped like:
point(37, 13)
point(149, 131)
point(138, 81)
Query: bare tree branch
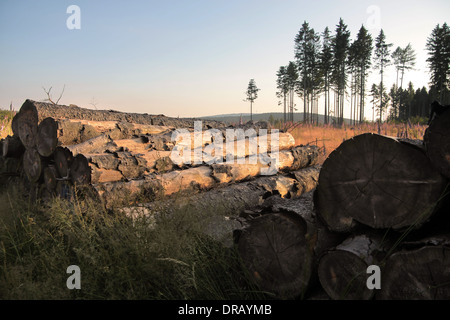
point(62, 92)
point(49, 98)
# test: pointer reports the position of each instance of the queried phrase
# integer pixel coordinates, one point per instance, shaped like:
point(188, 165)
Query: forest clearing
point(98, 189)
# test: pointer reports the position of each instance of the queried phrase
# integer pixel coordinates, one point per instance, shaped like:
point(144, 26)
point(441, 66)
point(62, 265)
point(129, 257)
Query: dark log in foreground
point(321, 239)
point(80, 171)
point(63, 158)
point(275, 250)
point(437, 142)
point(379, 182)
point(33, 164)
point(47, 139)
point(343, 270)
point(420, 272)
point(12, 147)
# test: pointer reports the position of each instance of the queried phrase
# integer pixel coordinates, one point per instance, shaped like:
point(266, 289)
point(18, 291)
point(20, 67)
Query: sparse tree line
point(335, 68)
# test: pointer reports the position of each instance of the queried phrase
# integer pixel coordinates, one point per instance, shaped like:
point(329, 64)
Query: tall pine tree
point(340, 46)
point(438, 46)
point(326, 56)
point(382, 60)
point(252, 94)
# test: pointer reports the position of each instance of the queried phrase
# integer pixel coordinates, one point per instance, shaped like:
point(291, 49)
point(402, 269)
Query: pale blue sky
point(182, 58)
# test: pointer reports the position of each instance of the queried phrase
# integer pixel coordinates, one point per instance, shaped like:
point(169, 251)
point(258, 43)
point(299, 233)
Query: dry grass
point(5, 123)
point(328, 137)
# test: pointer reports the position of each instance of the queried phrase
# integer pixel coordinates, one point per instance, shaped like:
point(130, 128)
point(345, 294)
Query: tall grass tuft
point(119, 257)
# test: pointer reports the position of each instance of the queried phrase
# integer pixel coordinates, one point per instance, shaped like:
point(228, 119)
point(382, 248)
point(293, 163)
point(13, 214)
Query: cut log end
point(47, 137)
point(27, 124)
point(32, 165)
point(379, 182)
point(421, 274)
point(275, 251)
point(80, 171)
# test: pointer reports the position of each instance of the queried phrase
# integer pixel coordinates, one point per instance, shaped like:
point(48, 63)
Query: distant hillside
point(233, 118)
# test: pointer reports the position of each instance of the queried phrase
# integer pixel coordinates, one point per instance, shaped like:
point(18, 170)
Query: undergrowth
point(119, 257)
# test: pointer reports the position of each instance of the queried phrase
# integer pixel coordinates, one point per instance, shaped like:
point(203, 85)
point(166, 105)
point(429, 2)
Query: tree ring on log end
point(275, 251)
point(379, 182)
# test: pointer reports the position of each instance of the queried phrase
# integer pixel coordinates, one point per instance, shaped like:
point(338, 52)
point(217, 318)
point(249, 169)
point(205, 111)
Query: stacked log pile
point(56, 148)
point(380, 202)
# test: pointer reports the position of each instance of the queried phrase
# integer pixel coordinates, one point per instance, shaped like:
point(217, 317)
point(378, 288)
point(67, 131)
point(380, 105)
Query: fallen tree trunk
point(379, 182)
point(343, 270)
point(437, 142)
point(419, 271)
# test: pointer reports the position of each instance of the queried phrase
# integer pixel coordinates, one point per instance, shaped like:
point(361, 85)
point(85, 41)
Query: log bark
point(231, 149)
point(286, 160)
point(93, 145)
point(437, 142)
point(379, 182)
point(33, 164)
point(74, 131)
point(58, 112)
point(12, 147)
point(47, 137)
point(117, 166)
point(275, 251)
point(419, 271)
point(150, 188)
point(63, 158)
point(125, 165)
point(180, 181)
point(80, 171)
point(100, 175)
point(343, 270)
